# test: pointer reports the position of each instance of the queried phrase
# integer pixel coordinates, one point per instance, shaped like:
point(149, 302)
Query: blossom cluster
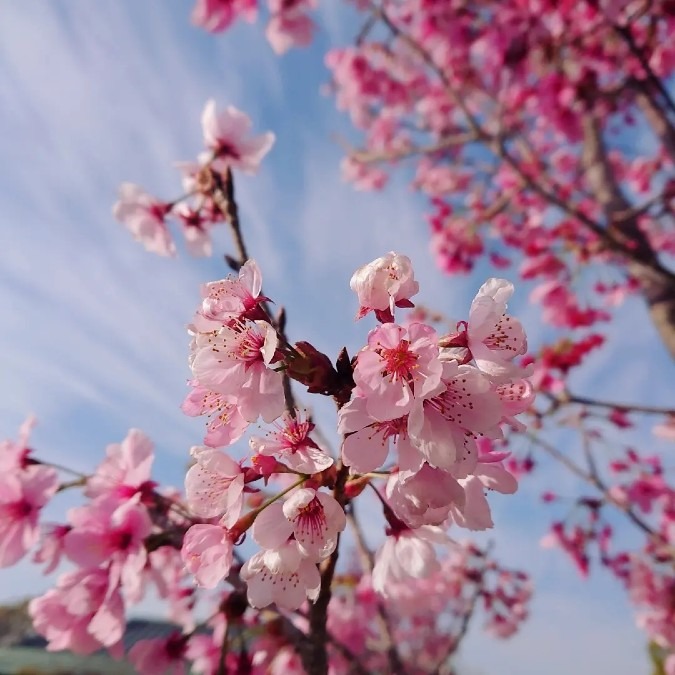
point(228, 145)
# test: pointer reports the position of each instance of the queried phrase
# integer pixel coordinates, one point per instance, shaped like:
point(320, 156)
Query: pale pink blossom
point(13, 454)
point(208, 553)
point(407, 553)
point(366, 441)
point(144, 216)
point(195, 230)
point(494, 337)
point(235, 360)
point(160, 655)
point(425, 496)
point(226, 424)
point(314, 518)
point(383, 284)
point(232, 299)
point(82, 614)
point(226, 135)
point(289, 29)
point(291, 443)
point(475, 512)
point(22, 496)
point(217, 15)
point(51, 547)
point(442, 426)
point(214, 486)
point(282, 576)
point(126, 469)
point(106, 531)
point(397, 367)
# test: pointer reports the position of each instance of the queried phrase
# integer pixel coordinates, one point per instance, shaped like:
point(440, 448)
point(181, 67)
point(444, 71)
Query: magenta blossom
point(217, 15)
point(160, 655)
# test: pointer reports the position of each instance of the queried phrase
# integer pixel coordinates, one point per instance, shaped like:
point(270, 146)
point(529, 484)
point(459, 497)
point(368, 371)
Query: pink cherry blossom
point(441, 427)
point(195, 230)
point(314, 518)
point(51, 547)
point(282, 576)
point(13, 454)
point(126, 469)
point(383, 284)
point(82, 614)
point(366, 441)
point(289, 29)
point(494, 337)
point(291, 443)
point(425, 496)
point(214, 486)
point(217, 15)
point(144, 216)
point(397, 367)
point(22, 496)
point(207, 553)
point(232, 299)
point(407, 553)
point(226, 135)
point(226, 424)
point(108, 532)
point(160, 655)
point(235, 360)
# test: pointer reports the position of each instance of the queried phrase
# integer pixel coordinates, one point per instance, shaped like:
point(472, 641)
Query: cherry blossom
point(214, 486)
point(282, 576)
point(226, 137)
point(144, 216)
point(383, 284)
point(207, 552)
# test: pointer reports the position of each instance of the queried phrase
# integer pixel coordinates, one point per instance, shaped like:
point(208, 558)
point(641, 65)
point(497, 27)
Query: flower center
point(399, 361)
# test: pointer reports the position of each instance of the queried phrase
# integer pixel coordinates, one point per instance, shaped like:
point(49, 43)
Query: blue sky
point(93, 339)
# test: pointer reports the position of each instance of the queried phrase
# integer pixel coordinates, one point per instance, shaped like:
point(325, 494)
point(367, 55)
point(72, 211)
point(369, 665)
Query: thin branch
point(383, 619)
point(592, 478)
point(628, 407)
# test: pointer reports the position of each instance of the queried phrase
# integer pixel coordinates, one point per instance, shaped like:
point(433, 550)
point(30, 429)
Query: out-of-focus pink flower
point(83, 613)
point(207, 553)
point(407, 553)
point(144, 216)
point(161, 655)
point(424, 497)
point(22, 496)
point(289, 29)
point(217, 15)
point(383, 284)
point(226, 135)
point(126, 469)
point(13, 454)
point(214, 486)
